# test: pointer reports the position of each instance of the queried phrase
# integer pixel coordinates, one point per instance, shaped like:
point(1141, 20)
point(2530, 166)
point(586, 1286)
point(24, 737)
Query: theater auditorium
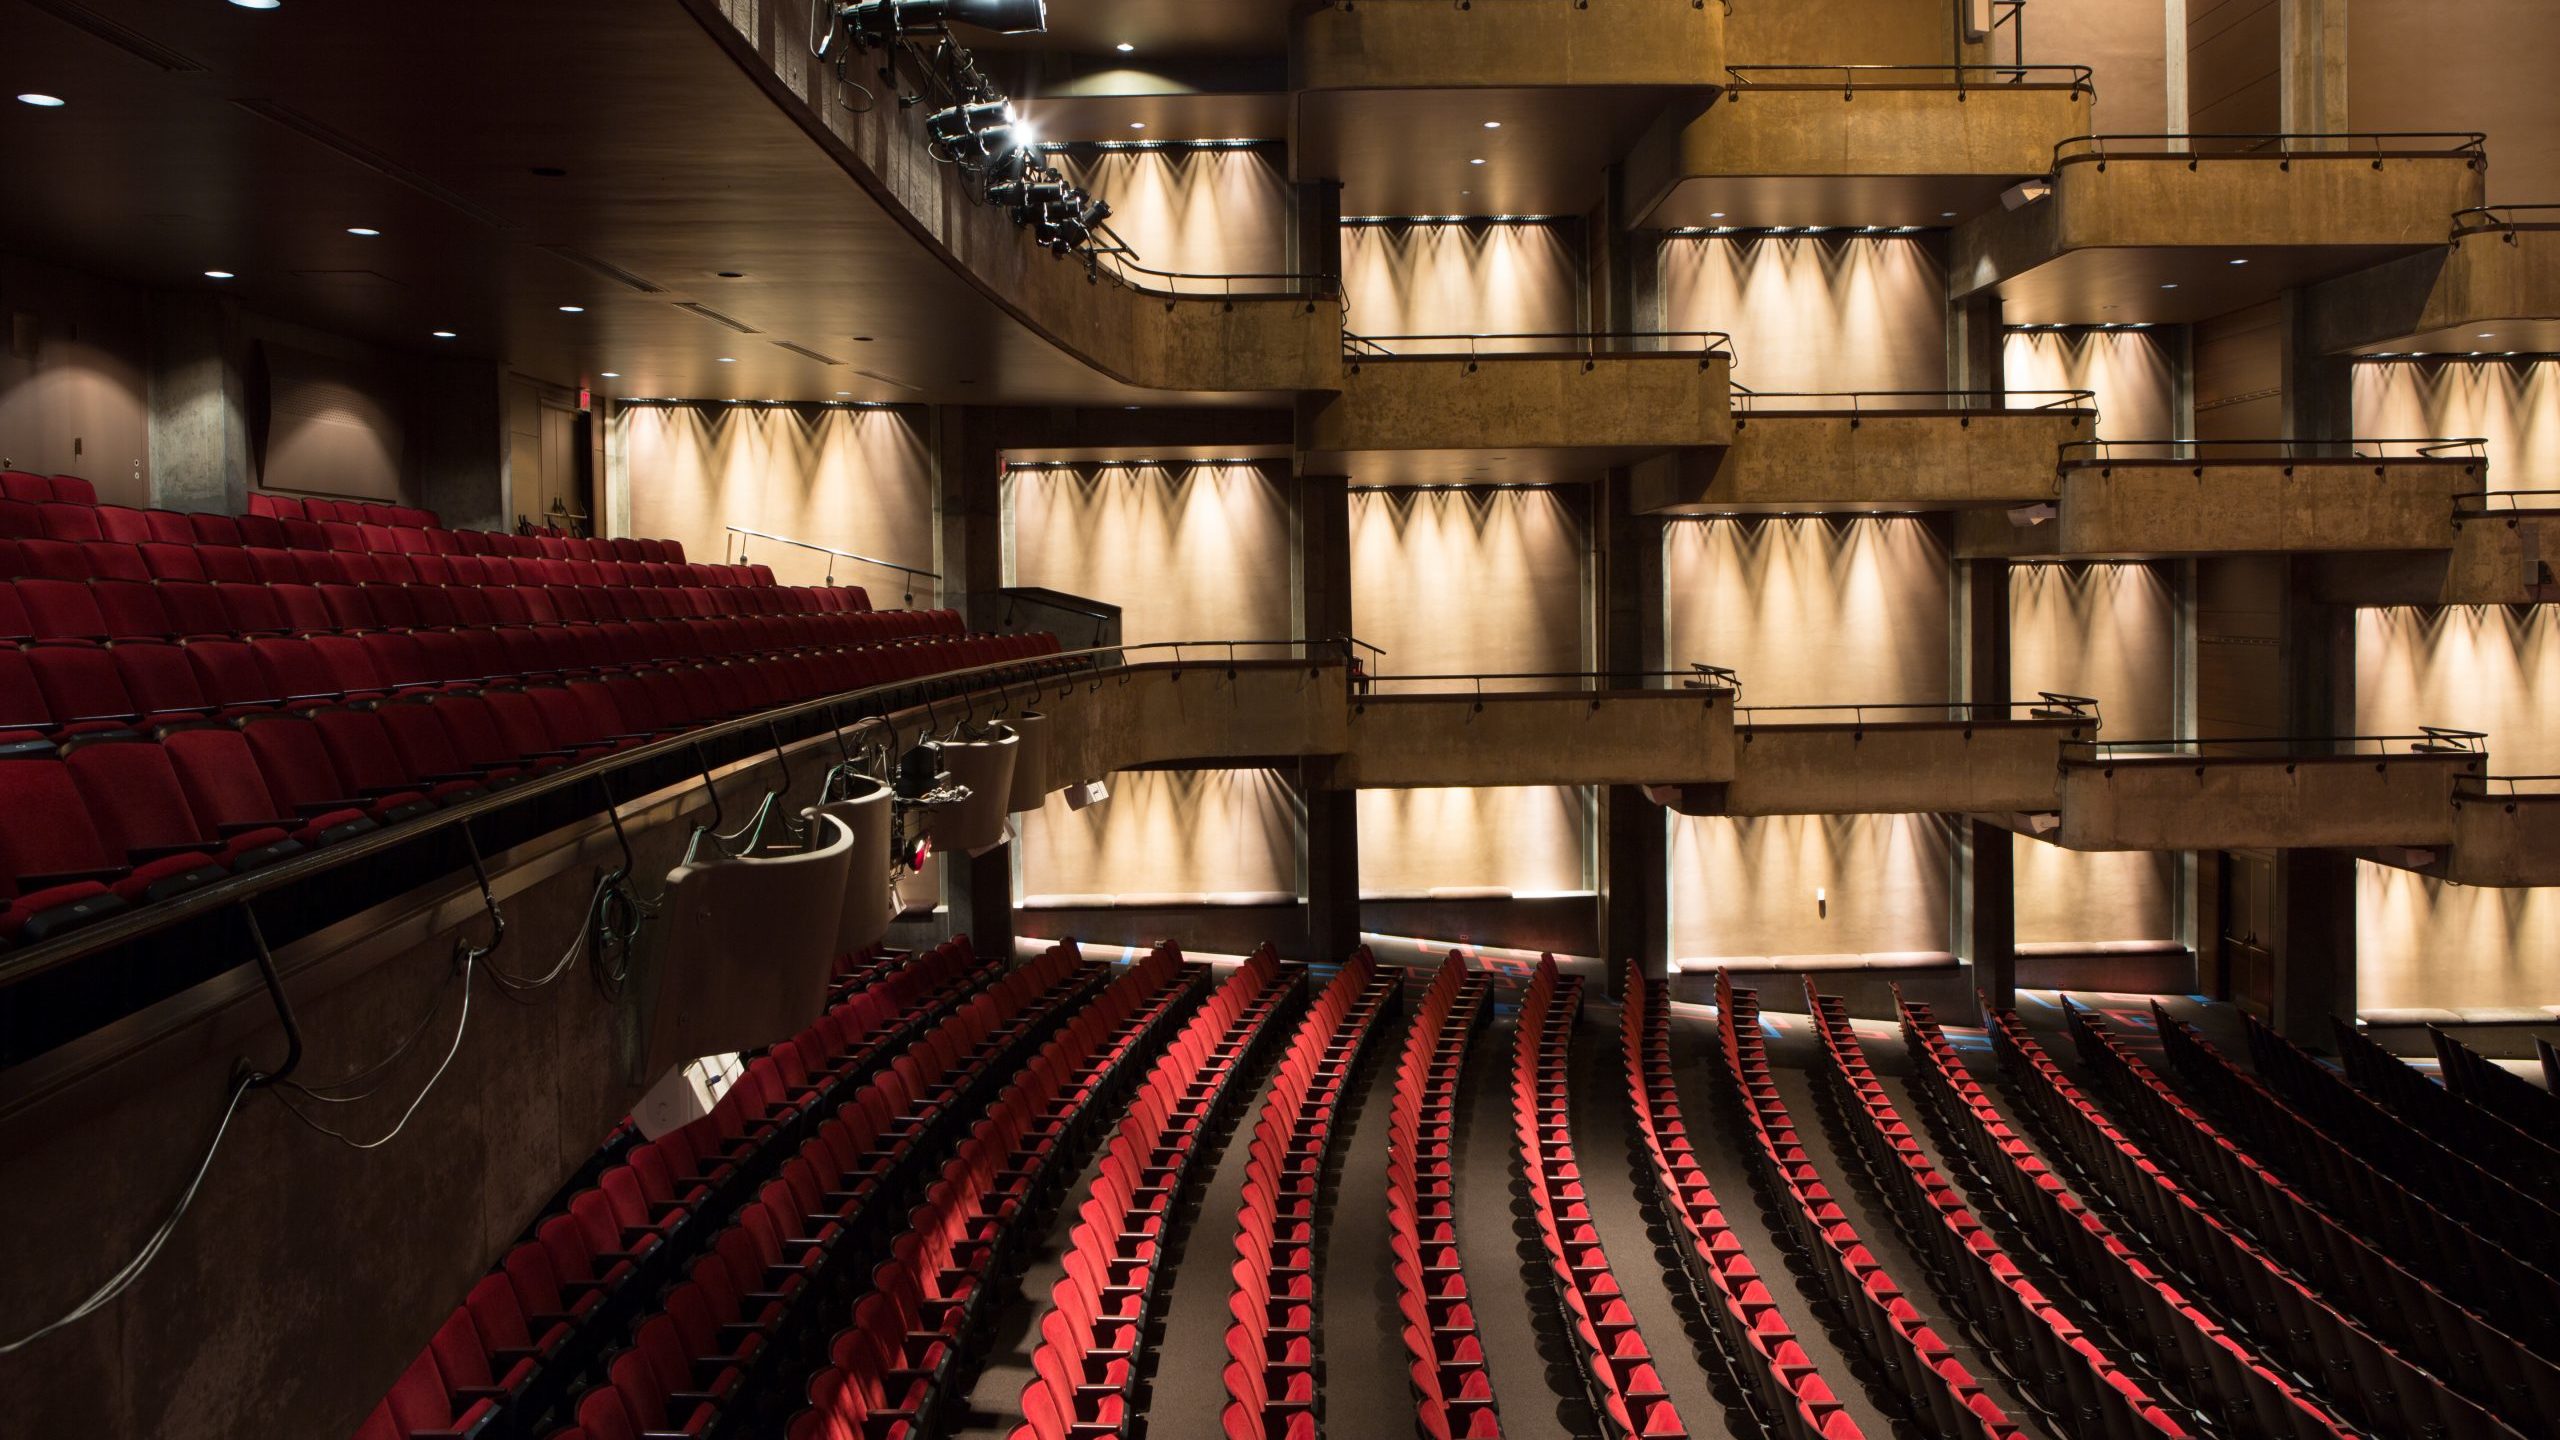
point(1280, 720)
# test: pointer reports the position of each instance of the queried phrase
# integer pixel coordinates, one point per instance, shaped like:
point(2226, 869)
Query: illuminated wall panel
point(859, 480)
point(1169, 832)
point(1417, 279)
point(1205, 212)
point(1189, 552)
point(2513, 404)
point(2133, 372)
point(2423, 943)
point(1746, 887)
point(1529, 840)
point(1814, 611)
point(1814, 313)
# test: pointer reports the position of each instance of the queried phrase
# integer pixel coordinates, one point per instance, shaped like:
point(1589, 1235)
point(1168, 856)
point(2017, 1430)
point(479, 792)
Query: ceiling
point(516, 158)
point(1187, 29)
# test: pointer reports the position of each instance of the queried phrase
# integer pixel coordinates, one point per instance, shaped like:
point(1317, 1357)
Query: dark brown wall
point(2234, 51)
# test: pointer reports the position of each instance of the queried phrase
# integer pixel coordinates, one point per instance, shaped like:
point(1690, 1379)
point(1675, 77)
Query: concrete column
point(1990, 900)
point(969, 510)
point(1634, 833)
point(2315, 909)
point(1333, 816)
point(1975, 359)
point(2312, 49)
point(979, 891)
point(200, 453)
point(1315, 242)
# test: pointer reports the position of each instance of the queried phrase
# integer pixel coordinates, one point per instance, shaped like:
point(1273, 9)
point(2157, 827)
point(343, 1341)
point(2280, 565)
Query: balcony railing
point(2506, 221)
point(2283, 149)
point(1850, 79)
point(1586, 345)
point(908, 572)
point(2428, 740)
point(1859, 403)
point(2507, 505)
point(2047, 705)
point(2452, 450)
point(2509, 789)
point(1118, 264)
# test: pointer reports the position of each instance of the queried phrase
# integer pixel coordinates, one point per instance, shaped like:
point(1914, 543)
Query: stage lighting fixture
point(875, 22)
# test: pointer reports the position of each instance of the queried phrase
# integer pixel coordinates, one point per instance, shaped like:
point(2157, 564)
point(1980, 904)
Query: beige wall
point(1208, 212)
point(2421, 942)
point(859, 480)
point(1189, 552)
point(1746, 887)
point(2124, 42)
point(2490, 668)
point(1531, 839)
point(1169, 832)
point(2233, 55)
point(1814, 313)
point(2133, 372)
point(2105, 631)
point(1459, 582)
point(2513, 404)
point(75, 383)
point(1445, 279)
point(2462, 65)
point(1813, 612)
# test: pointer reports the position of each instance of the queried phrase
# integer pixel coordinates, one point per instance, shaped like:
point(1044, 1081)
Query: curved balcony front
point(2493, 290)
point(2177, 228)
point(1874, 450)
point(2504, 546)
point(2348, 792)
point(1894, 145)
point(1894, 759)
point(2128, 500)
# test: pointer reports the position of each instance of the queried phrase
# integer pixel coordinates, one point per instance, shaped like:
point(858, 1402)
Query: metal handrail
point(1608, 679)
point(2503, 219)
point(1712, 343)
point(2048, 705)
point(1303, 285)
point(2437, 449)
point(1036, 674)
point(2284, 148)
point(2485, 503)
point(2429, 740)
point(1747, 401)
point(2077, 78)
point(2481, 784)
point(909, 571)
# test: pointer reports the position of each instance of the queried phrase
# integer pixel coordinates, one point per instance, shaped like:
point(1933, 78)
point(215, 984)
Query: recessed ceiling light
point(573, 309)
point(219, 275)
point(444, 334)
point(610, 375)
point(1715, 214)
point(367, 231)
point(1946, 214)
point(2486, 335)
point(1493, 124)
point(844, 392)
point(728, 359)
point(259, 4)
point(2240, 262)
point(2171, 285)
point(1478, 161)
point(1137, 124)
point(41, 101)
point(1124, 47)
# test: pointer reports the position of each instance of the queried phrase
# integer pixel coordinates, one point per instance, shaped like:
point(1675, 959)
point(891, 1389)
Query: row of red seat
point(65, 522)
point(2471, 1266)
point(2281, 1308)
point(1617, 1368)
point(1773, 1363)
point(1895, 1335)
point(1452, 1394)
point(2222, 1369)
point(2493, 1087)
point(1980, 1276)
point(736, 590)
point(324, 507)
point(2431, 1132)
point(1094, 1337)
point(892, 1369)
point(28, 487)
point(1270, 1373)
point(527, 1330)
point(716, 1357)
point(141, 770)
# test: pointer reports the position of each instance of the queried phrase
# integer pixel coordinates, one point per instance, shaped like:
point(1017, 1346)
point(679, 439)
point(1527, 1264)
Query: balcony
point(1393, 97)
point(2352, 792)
point(1893, 759)
point(2506, 832)
point(1530, 408)
point(2494, 290)
point(1895, 145)
point(1415, 732)
point(2150, 498)
point(2177, 228)
point(1873, 450)
point(2504, 542)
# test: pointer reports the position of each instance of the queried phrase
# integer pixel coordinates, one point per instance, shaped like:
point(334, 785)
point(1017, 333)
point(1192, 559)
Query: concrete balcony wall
point(1611, 405)
point(2503, 559)
point(1845, 32)
point(2220, 802)
point(1196, 714)
point(1510, 44)
point(2503, 840)
point(1610, 737)
point(1934, 767)
point(2504, 281)
point(1889, 461)
point(1905, 139)
point(2138, 509)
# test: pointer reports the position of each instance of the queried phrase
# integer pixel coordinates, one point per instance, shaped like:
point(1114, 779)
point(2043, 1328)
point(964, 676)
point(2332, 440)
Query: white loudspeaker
point(2026, 193)
point(686, 1094)
point(1091, 792)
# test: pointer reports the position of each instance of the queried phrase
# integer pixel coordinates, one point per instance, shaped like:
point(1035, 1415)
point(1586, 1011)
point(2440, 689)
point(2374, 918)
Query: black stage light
point(875, 21)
